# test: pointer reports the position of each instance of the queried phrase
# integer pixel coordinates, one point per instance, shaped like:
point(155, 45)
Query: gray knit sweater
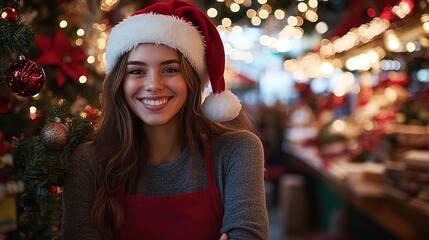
point(238, 160)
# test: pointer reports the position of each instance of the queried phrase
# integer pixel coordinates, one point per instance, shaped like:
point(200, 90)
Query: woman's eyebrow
point(166, 62)
point(170, 61)
point(136, 63)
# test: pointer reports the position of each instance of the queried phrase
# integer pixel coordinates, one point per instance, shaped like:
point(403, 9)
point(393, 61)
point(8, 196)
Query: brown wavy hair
point(122, 147)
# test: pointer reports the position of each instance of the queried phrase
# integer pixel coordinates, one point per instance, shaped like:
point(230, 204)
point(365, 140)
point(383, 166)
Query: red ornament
point(58, 52)
point(53, 189)
point(25, 78)
point(9, 14)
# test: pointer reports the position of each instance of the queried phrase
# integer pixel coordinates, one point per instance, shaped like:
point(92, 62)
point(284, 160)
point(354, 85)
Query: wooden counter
point(405, 218)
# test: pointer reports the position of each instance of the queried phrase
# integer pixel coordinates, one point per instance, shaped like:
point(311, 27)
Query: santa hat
point(184, 27)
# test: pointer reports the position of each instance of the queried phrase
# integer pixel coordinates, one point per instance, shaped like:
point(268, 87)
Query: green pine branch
point(15, 37)
point(43, 169)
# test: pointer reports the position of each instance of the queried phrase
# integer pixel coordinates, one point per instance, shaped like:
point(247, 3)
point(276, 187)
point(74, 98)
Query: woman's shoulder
point(238, 138)
point(238, 150)
point(85, 148)
point(84, 153)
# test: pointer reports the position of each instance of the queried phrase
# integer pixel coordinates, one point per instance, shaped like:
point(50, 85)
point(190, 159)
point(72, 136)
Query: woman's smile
point(154, 102)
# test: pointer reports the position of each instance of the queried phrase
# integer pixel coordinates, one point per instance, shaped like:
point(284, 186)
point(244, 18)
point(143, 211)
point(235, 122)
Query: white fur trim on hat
point(221, 107)
point(156, 28)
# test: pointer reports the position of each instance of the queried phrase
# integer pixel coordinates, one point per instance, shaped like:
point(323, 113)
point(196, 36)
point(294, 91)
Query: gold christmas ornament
point(55, 135)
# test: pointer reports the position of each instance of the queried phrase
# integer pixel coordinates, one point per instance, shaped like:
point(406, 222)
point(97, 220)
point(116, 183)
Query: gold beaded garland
point(55, 135)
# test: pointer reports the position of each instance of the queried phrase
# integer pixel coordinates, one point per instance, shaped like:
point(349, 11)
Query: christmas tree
point(45, 96)
point(41, 162)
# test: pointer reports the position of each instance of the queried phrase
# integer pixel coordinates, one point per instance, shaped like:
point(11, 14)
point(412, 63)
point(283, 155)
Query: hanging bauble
point(9, 14)
point(54, 135)
point(25, 78)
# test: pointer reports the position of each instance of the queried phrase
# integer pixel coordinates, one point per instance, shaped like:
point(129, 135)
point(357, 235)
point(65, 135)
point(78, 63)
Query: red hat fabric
point(184, 27)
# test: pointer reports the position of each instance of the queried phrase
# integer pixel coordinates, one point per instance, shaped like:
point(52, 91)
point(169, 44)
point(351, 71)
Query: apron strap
point(212, 183)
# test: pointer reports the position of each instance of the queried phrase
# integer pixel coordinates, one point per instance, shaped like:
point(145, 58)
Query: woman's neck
point(163, 142)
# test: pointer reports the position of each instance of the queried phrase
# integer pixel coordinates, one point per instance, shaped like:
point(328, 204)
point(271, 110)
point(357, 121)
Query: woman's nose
point(154, 81)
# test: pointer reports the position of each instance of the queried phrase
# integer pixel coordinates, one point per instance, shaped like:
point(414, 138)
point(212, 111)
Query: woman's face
point(154, 87)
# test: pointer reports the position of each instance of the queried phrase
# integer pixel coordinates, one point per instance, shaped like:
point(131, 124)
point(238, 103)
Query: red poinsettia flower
point(59, 52)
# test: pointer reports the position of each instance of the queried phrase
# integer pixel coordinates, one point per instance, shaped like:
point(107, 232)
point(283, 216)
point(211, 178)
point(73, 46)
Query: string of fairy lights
point(93, 34)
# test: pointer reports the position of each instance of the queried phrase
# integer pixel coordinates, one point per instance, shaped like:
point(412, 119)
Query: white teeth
point(155, 102)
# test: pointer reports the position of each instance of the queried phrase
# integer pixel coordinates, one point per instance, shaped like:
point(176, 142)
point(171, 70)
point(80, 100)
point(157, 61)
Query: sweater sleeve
point(245, 212)
point(78, 196)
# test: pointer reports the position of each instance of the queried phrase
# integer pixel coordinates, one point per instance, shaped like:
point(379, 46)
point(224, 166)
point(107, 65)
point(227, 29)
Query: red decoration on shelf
point(9, 14)
point(58, 52)
point(25, 78)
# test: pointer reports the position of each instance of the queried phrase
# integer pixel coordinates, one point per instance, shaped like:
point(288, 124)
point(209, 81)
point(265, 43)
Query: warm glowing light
point(311, 16)
point(313, 3)
point(102, 27)
point(234, 7)
point(63, 24)
point(302, 7)
point(291, 20)
point(298, 33)
point(212, 12)
point(107, 5)
point(79, 42)
point(390, 94)
point(426, 26)
point(339, 125)
point(83, 79)
point(321, 27)
point(263, 14)
point(326, 68)
point(411, 47)
point(226, 22)
point(251, 13)
point(33, 109)
point(279, 14)
point(256, 21)
point(80, 32)
point(392, 41)
point(32, 112)
point(424, 18)
point(90, 59)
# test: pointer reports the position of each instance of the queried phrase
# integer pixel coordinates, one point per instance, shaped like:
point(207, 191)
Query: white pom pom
point(221, 107)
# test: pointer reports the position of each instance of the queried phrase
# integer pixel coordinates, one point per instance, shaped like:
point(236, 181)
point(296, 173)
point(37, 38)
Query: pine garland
point(43, 170)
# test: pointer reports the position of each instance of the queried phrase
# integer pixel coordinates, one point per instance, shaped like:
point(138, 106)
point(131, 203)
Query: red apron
point(196, 215)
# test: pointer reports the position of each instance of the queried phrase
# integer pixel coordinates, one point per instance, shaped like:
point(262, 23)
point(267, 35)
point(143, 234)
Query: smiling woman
point(162, 159)
point(154, 87)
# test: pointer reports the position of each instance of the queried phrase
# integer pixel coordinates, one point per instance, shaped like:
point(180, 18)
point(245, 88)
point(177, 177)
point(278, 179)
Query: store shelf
point(405, 218)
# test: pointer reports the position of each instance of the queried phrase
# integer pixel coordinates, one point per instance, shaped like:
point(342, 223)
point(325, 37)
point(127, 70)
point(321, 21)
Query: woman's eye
point(135, 71)
point(171, 70)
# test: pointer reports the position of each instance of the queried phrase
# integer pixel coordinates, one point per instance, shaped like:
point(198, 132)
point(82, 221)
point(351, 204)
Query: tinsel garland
point(43, 170)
